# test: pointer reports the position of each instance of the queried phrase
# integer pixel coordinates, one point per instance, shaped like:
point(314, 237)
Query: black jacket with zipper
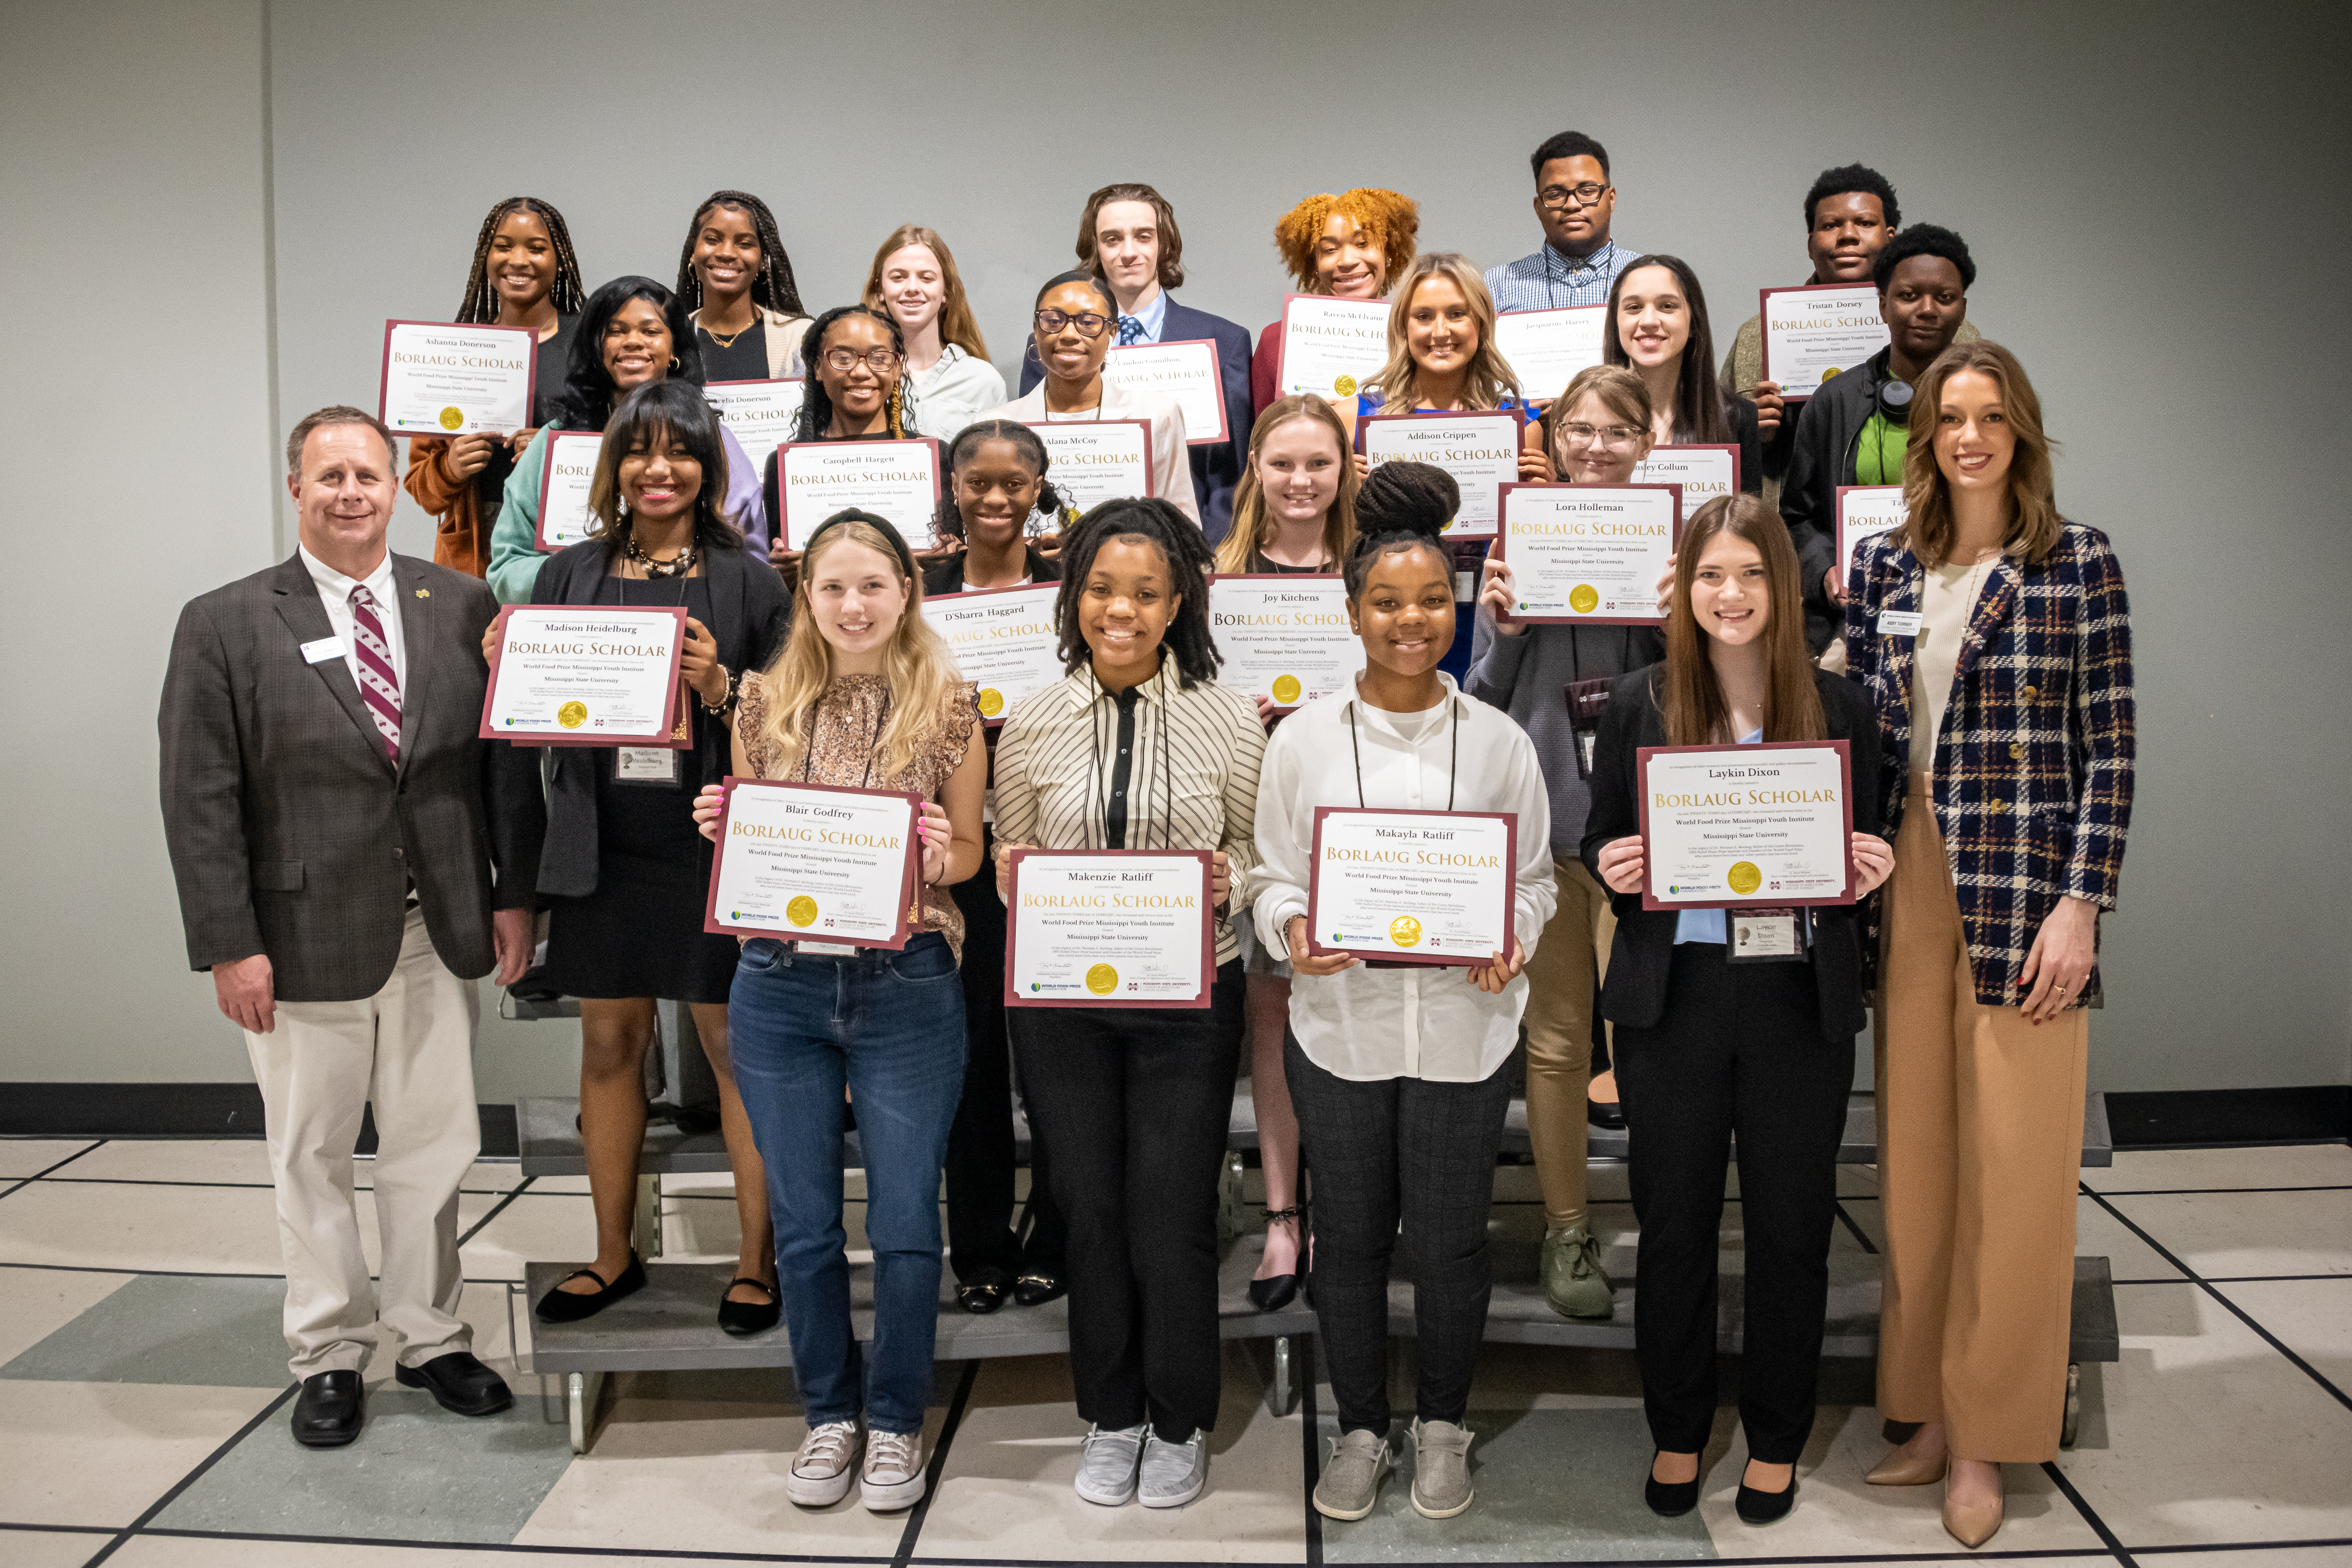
point(1820, 459)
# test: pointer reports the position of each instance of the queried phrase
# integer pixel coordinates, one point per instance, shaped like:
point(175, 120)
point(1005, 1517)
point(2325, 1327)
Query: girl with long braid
point(524, 275)
point(737, 284)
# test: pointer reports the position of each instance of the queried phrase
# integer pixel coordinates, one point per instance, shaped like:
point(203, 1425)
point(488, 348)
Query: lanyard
point(1452, 765)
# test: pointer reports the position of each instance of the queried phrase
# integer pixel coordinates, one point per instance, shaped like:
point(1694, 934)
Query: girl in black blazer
point(1706, 1048)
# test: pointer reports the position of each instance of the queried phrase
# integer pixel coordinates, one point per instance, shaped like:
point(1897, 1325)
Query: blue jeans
point(890, 1025)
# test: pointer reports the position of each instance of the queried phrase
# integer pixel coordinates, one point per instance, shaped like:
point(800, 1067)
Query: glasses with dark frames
point(1090, 323)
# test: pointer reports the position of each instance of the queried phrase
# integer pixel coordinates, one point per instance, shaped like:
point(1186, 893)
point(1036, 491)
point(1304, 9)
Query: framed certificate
point(1814, 332)
point(444, 380)
point(1701, 472)
point(1109, 928)
point(897, 479)
point(816, 863)
point(1004, 640)
point(1728, 827)
point(585, 674)
point(1589, 555)
point(1411, 886)
point(1285, 635)
point(761, 412)
point(1333, 348)
point(1863, 510)
point(565, 473)
point(1480, 451)
point(1094, 460)
point(1186, 372)
point(1546, 348)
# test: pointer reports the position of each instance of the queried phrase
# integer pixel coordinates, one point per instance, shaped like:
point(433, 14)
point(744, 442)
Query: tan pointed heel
point(1900, 1470)
point(1972, 1526)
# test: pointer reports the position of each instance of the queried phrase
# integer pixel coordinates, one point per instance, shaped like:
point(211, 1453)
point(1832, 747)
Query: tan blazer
point(1171, 461)
point(783, 334)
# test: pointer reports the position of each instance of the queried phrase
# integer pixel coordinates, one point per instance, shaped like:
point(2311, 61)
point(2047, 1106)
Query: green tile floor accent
point(212, 1333)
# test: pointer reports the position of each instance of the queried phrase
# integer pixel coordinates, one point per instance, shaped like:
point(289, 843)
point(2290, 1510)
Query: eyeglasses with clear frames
point(1583, 195)
point(1090, 323)
point(842, 360)
point(1583, 435)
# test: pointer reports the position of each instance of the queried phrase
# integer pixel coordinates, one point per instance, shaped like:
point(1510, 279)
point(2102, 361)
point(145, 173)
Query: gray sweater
point(1527, 677)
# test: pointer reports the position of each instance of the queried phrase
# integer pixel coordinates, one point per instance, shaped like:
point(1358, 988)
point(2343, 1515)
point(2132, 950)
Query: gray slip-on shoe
point(1440, 1469)
point(1350, 1484)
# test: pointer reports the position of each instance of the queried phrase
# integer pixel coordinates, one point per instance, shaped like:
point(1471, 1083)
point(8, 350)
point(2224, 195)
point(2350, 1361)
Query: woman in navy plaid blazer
point(1994, 640)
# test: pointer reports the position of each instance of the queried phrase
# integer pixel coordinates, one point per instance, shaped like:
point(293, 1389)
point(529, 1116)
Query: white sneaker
point(1107, 1464)
point(824, 1467)
point(893, 1470)
point(1174, 1473)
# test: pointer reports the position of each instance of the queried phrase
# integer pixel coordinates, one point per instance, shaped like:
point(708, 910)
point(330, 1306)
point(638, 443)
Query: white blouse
point(1171, 460)
point(1367, 1025)
point(951, 395)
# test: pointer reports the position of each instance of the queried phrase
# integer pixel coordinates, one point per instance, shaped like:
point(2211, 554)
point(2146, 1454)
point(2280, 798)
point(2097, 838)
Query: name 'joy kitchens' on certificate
point(582, 676)
point(1411, 886)
point(816, 863)
point(1285, 636)
point(1730, 826)
point(1117, 927)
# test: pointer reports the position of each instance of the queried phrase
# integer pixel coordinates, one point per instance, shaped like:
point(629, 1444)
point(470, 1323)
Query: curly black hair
point(1853, 179)
point(948, 523)
point(1179, 541)
point(586, 400)
point(816, 407)
point(1401, 506)
point(1924, 240)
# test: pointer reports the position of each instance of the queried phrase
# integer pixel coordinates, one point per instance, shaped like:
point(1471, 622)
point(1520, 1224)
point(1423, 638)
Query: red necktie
point(378, 684)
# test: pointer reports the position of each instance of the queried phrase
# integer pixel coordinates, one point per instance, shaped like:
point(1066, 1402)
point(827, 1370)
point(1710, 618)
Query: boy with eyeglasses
point(1575, 203)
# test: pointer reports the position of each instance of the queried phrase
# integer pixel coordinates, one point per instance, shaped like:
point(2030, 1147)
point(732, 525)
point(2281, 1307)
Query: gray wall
point(2111, 175)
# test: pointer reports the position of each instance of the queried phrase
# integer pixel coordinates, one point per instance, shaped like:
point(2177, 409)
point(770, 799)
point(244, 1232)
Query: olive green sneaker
point(1572, 1279)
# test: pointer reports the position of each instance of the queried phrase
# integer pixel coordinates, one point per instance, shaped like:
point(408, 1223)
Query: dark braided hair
point(948, 524)
point(816, 407)
point(1179, 541)
point(481, 303)
point(1401, 506)
point(774, 287)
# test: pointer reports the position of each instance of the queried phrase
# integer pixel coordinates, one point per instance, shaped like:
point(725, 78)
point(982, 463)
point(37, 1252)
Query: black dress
point(743, 357)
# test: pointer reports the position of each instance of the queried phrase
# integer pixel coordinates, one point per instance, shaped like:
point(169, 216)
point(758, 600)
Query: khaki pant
point(409, 1050)
point(1571, 957)
point(1979, 1149)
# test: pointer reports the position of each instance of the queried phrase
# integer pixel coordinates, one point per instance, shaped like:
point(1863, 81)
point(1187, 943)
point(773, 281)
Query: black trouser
point(1738, 1052)
point(982, 1245)
point(1425, 1152)
point(1136, 1103)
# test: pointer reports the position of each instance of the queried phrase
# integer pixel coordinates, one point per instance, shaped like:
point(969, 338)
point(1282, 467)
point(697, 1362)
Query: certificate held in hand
point(583, 675)
point(1096, 460)
point(1816, 332)
point(565, 476)
point(761, 413)
point(1285, 636)
point(1006, 641)
point(1866, 512)
point(895, 480)
point(1728, 827)
point(1109, 928)
point(831, 868)
point(1332, 348)
point(1411, 886)
point(1588, 553)
point(1544, 349)
point(1480, 451)
point(1184, 373)
point(443, 380)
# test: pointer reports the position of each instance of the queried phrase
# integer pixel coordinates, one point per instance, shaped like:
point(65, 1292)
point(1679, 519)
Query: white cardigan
point(1171, 461)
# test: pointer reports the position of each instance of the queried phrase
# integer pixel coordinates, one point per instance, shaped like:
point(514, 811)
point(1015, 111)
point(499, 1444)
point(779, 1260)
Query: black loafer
point(460, 1383)
point(561, 1305)
point(328, 1411)
point(1036, 1290)
point(981, 1299)
point(1668, 1500)
point(1763, 1508)
point(742, 1318)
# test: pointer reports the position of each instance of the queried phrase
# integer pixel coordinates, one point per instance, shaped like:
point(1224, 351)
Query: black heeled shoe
point(561, 1305)
point(1668, 1500)
point(744, 1317)
point(1036, 1290)
point(1606, 1114)
point(1276, 1291)
point(1763, 1508)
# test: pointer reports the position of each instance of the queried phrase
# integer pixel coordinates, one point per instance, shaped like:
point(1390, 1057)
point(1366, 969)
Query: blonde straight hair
point(2034, 525)
point(1490, 373)
point(957, 323)
point(920, 670)
point(1254, 525)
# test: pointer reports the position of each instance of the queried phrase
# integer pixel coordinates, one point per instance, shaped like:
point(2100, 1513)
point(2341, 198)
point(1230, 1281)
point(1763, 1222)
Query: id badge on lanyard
point(1767, 935)
point(1587, 701)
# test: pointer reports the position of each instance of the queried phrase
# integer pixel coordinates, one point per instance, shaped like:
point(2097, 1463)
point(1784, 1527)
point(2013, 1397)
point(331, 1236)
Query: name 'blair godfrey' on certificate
point(1412, 886)
point(824, 866)
point(1109, 928)
point(1740, 826)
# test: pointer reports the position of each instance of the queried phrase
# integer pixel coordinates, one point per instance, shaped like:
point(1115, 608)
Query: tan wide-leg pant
point(1569, 960)
point(1980, 1153)
point(410, 1050)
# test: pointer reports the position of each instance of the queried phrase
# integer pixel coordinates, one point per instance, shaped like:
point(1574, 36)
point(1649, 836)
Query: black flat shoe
point(328, 1411)
point(742, 1318)
point(561, 1305)
point(1763, 1508)
point(458, 1382)
point(1036, 1290)
point(1668, 1500)
point(1605, 1113)
point(981, 1299)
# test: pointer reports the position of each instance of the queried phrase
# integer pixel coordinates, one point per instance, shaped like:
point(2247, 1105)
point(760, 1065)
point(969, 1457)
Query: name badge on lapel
point(1898, 623)
point(1766, 936)
point(321, 650)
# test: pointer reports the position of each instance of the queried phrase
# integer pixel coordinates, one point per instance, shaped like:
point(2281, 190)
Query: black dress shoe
point(561, 1305)
point(1668, 1500)
point(458, 1382)
point(1274, 1293)
point(1763, 1508)
point(330, 1409)
point(1605, 1113)
point(1036, 1290)
point(742, 1318)
point(982, 1297)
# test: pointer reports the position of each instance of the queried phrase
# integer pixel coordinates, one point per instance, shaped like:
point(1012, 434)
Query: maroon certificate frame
point(1151, 475)
point(383, 374)
point(1014, 861)
point(782, 522)
point(1764, 338)
point(1844, 551)
point(668, 735)
point(909, 909)
point(1763, 898)
point(1314, 944)
point(548, 444)
point(1282, 345)
point(1499, 551)
point(1281, 710)
point(1728, 449)
point(1518, 432)
point(1216, 379)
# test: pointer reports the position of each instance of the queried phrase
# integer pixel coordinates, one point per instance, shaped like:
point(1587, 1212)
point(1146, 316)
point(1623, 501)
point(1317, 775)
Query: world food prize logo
point(991, 702)
point(1286, 690)
point(452, 417)
point(1584, 598)
point(1405, 931)
point(1102, 980)
point(571, 715)
point(801, 911)
point(1345, 386)
point(1743, 877)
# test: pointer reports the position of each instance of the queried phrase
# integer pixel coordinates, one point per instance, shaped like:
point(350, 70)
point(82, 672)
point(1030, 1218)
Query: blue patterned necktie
point(1130, 330)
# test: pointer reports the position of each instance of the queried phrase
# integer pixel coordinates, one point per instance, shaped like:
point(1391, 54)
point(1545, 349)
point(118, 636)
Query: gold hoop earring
point(673, 365)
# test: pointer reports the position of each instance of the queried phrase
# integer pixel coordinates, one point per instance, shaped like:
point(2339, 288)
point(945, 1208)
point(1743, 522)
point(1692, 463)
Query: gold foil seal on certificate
point(1828, 377)
point(1286, 690)
point(1584, 598)
point(991, 702)
point(452, 418)
point(1102, 980)
point(1743, 877)
point(1345, 386)
point(1405, 931)
point(801, 911)
point(571, 715)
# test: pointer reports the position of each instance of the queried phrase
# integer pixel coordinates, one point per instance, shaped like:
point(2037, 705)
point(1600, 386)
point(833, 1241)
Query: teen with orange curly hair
point(1347, 245)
